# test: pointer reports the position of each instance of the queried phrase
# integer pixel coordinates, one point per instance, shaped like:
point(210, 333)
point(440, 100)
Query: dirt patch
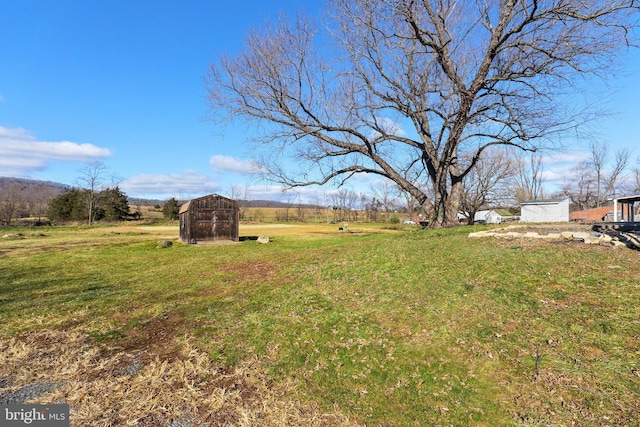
point(155, 336)
point(255, 269)
point(112, 387)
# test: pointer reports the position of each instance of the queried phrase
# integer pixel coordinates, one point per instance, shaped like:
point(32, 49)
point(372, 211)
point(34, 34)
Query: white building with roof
point(487, 217)
point(548, 210)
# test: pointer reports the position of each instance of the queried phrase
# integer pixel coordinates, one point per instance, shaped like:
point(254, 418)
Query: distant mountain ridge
point(33, 185)
point(57, 188)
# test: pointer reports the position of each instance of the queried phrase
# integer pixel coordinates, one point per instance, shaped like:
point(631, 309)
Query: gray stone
point(582, 236)
point(605, 238)
point(165, 243)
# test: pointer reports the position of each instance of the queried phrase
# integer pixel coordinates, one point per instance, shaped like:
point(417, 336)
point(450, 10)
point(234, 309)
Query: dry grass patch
point(107, 388)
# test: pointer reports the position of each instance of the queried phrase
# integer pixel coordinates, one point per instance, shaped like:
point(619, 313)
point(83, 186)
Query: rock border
point(610, 238)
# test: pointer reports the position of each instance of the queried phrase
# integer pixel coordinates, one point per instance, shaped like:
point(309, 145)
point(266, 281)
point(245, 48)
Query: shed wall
point(545, 212)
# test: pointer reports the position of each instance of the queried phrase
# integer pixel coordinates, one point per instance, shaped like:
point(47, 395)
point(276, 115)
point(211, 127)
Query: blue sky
point(121, 81)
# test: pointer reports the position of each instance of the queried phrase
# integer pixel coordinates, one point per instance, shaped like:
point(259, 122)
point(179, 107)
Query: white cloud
point(557, 167)
point(560, 158)
point(21, 152)
point(221, 163)
point(265, 192)
point(557, 176)
point(390, 126)
point(187, 184)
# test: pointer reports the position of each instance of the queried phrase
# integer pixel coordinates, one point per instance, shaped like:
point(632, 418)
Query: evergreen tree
point(171, 209)
point(69, 206)
point(110, 204)
point(113, 205)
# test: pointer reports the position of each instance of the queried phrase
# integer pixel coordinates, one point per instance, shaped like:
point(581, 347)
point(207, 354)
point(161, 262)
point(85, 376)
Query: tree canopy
point(110, 204)
point(171, 209)
point(407, 89)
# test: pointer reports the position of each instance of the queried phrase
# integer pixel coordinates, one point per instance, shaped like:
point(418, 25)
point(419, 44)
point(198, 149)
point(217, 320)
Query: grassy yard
point(366, 326)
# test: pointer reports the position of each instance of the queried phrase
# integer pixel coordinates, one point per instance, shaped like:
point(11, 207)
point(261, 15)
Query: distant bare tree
point(241, 194)
point(91, 180)
point(11, 202)
point(386, 192)
point(300, 209)
point(595, 180)
point(316, 202)
point(343, 201)
point(464, 75)
point(528, 178)
point(636, 176)
point(289, 198)
point(410, 202)
point(39, 201)
point(606, 180)
point(487, 183)
point(580, 187)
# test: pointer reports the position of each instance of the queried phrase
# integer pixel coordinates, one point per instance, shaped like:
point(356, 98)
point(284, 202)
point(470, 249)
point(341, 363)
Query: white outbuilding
point(549, 210)
point(487, 217)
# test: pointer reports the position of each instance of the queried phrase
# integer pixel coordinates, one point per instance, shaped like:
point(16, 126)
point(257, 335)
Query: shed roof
point(488, 211)
point(184, 207)
point(544, 201)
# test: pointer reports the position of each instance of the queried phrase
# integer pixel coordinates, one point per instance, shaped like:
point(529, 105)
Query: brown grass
point(107, 387)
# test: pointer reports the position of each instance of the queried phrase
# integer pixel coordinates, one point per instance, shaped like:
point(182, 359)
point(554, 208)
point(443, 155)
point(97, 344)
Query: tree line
point(501, 178)
point(45, 202)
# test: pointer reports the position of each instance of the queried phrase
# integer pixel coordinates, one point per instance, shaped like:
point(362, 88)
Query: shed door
point(223, 225)
point(203, 225)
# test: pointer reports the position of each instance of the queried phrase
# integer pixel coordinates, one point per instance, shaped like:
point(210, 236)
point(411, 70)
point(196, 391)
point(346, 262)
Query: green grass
point(420, 328)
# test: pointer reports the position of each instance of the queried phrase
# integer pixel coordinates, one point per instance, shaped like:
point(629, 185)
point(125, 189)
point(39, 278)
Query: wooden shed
point(209, 218)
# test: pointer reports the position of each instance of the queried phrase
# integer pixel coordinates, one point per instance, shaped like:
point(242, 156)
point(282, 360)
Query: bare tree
point(636, 176)
point(606, 180)
point(316, 202)
point(10, 202)
point(580, 188)
point(241, 194)
point(343, 202)
point(615, 176)
point(386, 193)
point(39, 201)
point(487, 183)
point(596, 179)
point(410, 202)
point(91, 180)
point(463, 76)
point(528, 178)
